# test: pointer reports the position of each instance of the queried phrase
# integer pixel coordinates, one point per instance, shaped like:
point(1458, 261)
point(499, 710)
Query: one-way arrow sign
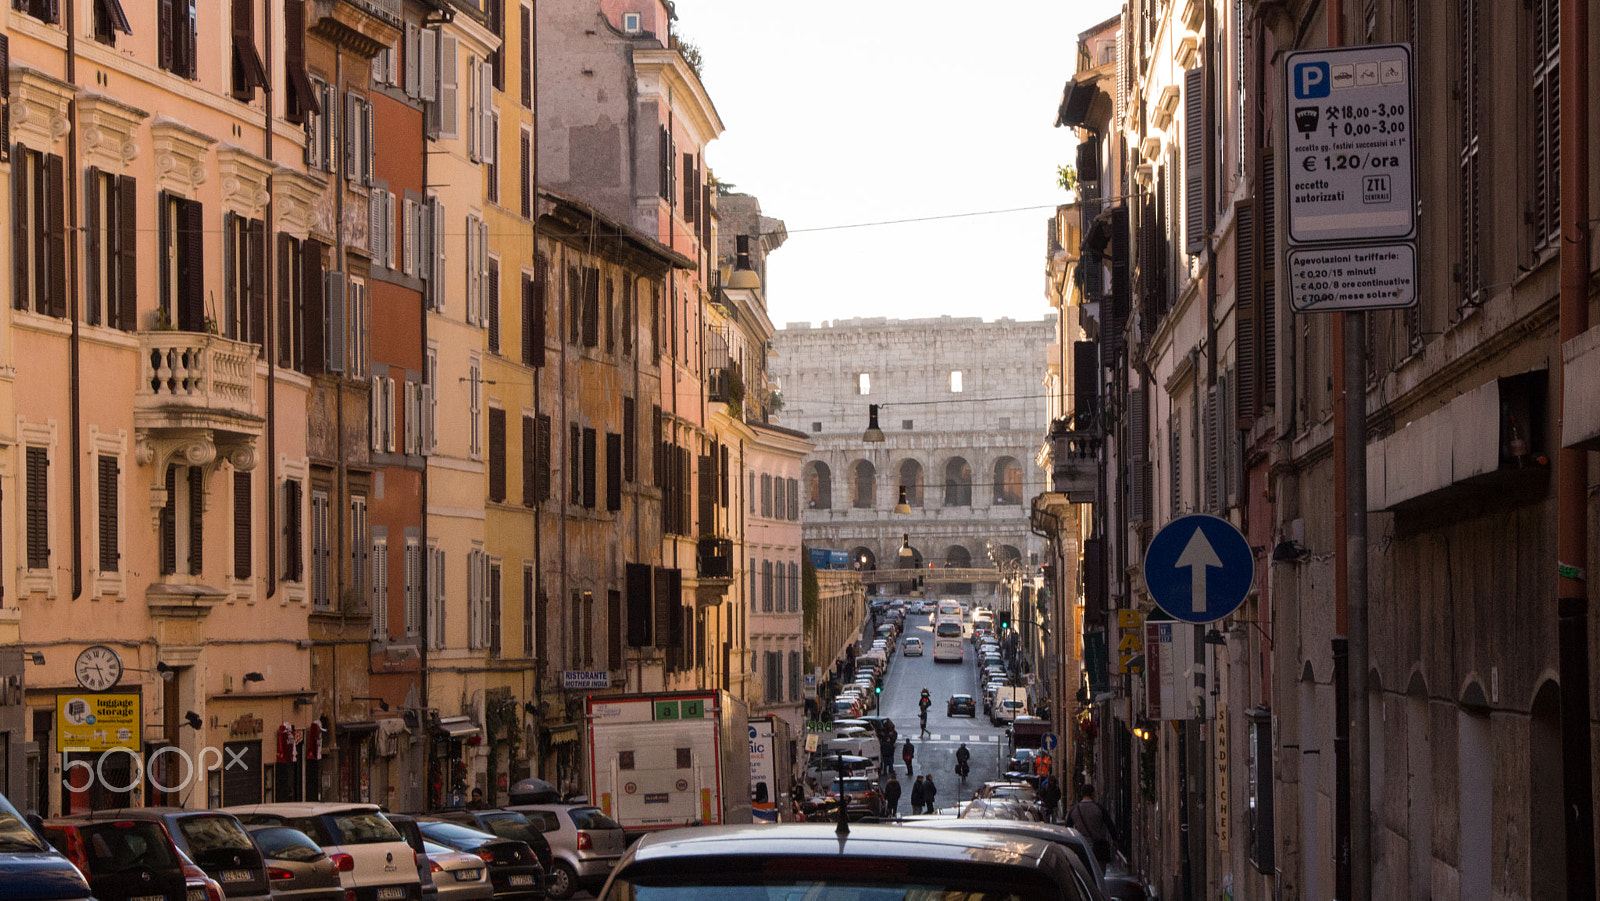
point(1199, 568)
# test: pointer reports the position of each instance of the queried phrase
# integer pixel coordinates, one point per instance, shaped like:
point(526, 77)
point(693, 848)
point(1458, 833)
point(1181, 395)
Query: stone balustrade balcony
point(196, 371)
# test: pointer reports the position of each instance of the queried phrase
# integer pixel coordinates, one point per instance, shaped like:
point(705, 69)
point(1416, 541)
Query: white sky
point(838, 112)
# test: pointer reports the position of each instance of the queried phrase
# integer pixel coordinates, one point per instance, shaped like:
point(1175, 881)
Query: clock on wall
point(98, 668)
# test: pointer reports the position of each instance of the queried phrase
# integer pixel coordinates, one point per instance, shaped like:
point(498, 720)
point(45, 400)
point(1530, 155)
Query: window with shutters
point(242, 526)
point(1195, 155)
point(525, 185)
point(544, 463)
point(528, 610)
point(360, 548)
point(575, 464)
point(182, 301)
point(321, 552)
point(491, 300)
point(384, 70)
point(1470, 177)
point(491, 160)
point(380, 583)
point(608, 316)
point(766, 586)
point(430, 400)
point(667, 170)
point(291, 303)
point(591, 307)
point(477, 257)
point(477, 590)
point(614, 622)
point(244, 298)
point(574, 648)
point(794, 587)
point(357, 337)
point(475, 408)
point(435, 581)
point(248, 72)
point(590, 476)
point(525, 55)
point(108, 507)
point(1546, 132)
point(541, 626)
point(431, 233)
point(1174, 462)
point(167, 525)
point(195, 504)
point(302, 101)
point(480, 117)
point(441, 82)
point(359, 152)
point(39, 232)
point(492, 616)
point(321, 131)
point(613, 472)
point(381, 236)
point(630, 438)
point(534, 312)
point(755, 588)
point(111, 243)
point(530, 462)
point(43, 10)
point(766, 495)
point(413, 586)
point(381, 414)
point(497, 455)
point(175, 27)
point(293, 534)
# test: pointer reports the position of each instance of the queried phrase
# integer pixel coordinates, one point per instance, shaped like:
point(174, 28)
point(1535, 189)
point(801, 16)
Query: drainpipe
point(268, 341)
point(1572, 527)
point(74, 352)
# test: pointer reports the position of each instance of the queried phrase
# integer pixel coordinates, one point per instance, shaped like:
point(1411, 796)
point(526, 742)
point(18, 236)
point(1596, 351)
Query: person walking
point(891, 795)
point(962, 756)
point(919, 793)
point(906, 754)
point(1094, 821)
point(1050, 794)
point(928, 791)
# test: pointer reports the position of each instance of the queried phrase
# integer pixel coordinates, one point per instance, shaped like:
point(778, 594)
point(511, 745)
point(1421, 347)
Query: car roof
point(809, 839)
point(968, 697)
point(295, 809)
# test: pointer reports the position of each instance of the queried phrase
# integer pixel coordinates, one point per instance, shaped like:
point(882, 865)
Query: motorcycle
point(962, 769)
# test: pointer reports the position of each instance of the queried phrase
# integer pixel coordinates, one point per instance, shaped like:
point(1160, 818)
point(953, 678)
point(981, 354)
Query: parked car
point(584, 842)
point(862, 797)
point(503, 824)
point(30, 867)
point(121, 859)
point(1068, 838)
point(372, 857)
point(912, 647)
point(297, 867)
point(810, 860)
point(407, 826)
point(197, 886)
point(513, 868)
point(460, 876)
point(961, 705)
point(214, 841)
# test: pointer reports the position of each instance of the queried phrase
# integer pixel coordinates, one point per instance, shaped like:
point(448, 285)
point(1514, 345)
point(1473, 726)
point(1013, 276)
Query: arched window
point(866, 483)
point(911, 480)
point(819, 486)
point(958, 557)
point(1007, 481)
point(957, 483)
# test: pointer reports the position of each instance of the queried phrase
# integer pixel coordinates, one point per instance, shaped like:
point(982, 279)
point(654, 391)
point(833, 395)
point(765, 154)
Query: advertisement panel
point(91, 723)
point(763, 776)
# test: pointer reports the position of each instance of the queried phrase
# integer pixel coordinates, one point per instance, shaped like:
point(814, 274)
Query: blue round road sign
point(1048, 741)
point(1199, 568)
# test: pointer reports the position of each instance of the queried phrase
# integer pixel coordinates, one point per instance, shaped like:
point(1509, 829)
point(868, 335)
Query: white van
point(1010, 702)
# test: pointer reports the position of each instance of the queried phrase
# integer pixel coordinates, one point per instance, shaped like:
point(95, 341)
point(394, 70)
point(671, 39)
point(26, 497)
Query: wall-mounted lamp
point(902, 508)
point(35, 657)
point(166, 672)
point(253, 677)
point(1215, 637)
point(193, 721)
point(382, 704)
point(1290, 552)
point(873, 434)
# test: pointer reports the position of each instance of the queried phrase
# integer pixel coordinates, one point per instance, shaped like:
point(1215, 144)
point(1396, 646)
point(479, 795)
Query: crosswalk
point(935, 738)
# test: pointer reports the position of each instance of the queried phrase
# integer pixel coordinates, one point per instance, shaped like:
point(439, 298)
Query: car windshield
point(454, 835)
point(114, 846)
point(283, 843)
point(591, 818)
point(213, 839)
point(15, 834)
point(514, 826)
point(364, 828)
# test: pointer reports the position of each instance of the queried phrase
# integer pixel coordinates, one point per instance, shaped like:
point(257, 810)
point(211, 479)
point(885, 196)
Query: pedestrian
point(477, 800)
point(928, 791)
point(1050, 789)
point(891, 795)
point(906, 754)
point(1094, 821)
point(919, 793)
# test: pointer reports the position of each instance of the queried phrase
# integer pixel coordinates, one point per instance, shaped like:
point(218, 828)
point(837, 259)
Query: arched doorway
point(864, 485)
point(911, 480)
point(1007, 482)
point(958, 557)
point(957, 483)
point(819, 486)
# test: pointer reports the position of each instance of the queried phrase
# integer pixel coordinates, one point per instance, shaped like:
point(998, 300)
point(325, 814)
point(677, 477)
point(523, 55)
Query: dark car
point(513, 868)
point(1065, 836)
point(413, 836)
point(297, 867)
point(30, 867)
point(812, 860)
point(501, 823)
point(862, 797)
point(218, 844)
point(961, 705)
point(124, 860)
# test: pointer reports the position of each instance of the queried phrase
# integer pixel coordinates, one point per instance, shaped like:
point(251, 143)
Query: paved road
point(936, 753)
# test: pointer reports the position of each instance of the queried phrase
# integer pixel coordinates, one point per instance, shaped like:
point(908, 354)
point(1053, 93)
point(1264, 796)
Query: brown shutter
point(191, 266)
point(21, 247)
point(526, 149)
point(256, 242)
point(542, 449)
point(311, 318)
point(675, 605)
point(165, 31)
point(56, 231)
point(530, 463)
point(527, 57)
point(497, 454)
point(574, 465)
point(589, 465)
point(630, 437)
point(196, 521)
point(126, 291)
point(703, 493)
point(94, 269)
point(285, 301)
point(609, 315)
point(613, 471)
point(541, 306)
point(1245, 322)
point(38, 506)
point(497, 24)
point(5, 98)
point(1267, 296)
point(663, 610)
point(591, 307)
point(241, 525)
point(722, 475)
point(638, 584)
point(169, 525)
point(294, 565)
point(302, 97)
point(528, 302)
point(613, 629)
point(248, 73)
point(493, 300)
point(110, 554)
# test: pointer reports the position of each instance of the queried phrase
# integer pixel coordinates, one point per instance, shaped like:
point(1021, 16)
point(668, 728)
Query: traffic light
point(1005, 620)
point(877, 689)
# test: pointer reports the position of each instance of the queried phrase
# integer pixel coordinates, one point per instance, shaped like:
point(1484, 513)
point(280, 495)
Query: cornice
point(107, 127)
point(39, 105)
point(667, 68)
point(180, 154)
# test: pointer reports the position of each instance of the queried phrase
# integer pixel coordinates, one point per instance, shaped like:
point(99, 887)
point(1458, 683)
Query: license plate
point(521, 880)
point(391, 893)
point(148, 898)
point(235, 876)
point(468, 875)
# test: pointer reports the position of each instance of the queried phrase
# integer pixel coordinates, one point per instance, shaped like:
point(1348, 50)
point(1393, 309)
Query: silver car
point(584, 842)
point(460, 876)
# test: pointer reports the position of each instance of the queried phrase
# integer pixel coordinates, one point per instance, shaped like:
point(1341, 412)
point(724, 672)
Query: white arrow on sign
point(1198, 555)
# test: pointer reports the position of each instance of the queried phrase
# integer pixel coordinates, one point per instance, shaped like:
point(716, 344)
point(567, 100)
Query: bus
point(947, 635)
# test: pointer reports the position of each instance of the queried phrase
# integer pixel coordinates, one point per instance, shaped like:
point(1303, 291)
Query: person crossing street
point(891, 795)
point(962, 757)
point(906, 754)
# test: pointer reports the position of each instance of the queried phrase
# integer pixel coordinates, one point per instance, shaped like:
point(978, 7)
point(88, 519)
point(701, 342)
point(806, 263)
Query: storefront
point(450, 774)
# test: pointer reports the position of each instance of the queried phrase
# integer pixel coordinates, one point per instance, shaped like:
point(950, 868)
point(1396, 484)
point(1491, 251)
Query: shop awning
point(458, 726)
point(357, 727)
point(566, 733)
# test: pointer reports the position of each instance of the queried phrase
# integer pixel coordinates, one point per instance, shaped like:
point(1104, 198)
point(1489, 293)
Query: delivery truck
point(659, 761)
point(771, 768)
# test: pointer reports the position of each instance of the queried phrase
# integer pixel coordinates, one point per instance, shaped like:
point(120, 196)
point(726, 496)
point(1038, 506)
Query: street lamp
point(902, 507)
point(873, 434)
point(906, 552)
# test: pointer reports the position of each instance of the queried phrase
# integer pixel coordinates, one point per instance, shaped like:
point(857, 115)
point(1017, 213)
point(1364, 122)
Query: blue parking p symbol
point(1310, 81)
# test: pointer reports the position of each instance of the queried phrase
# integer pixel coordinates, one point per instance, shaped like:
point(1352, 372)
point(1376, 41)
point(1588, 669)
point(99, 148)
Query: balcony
point(1074, 462)
point(715, 558)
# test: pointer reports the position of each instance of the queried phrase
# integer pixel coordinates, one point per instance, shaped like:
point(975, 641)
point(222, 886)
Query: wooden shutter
point(302, 98)
point(574, 464)
point(497, 454)
point(166, 31)
point(56, 234)
point(5, 98)
point(542, 449)
point(706, 481)
point(527, 57)
point(256, 247)
point(98, 264)
point(638, 583)
point(613, 471)
point(1139, 455)
point(613, 630)
point(196, 520)
point(491, 291)
point(530, 460)
point(313, 320)
point(21, 243)
point(335, 294)
point(191, 266)
point(690, 192)
point(1194, 160)
point(293, 536)
point(125, 297)
point(1267, 282)
point(539, 303)
point(589, 466)
point(248, 72)
point(241, 525)
point(675, 621)
point(446, 114)
point(110, 553)
point(525, 147)
point(1246, 338)
point(497, 24)
point(591, 307)
point(169, 525)
point(1546, 120)
point(608, 315)
point(630, 438)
